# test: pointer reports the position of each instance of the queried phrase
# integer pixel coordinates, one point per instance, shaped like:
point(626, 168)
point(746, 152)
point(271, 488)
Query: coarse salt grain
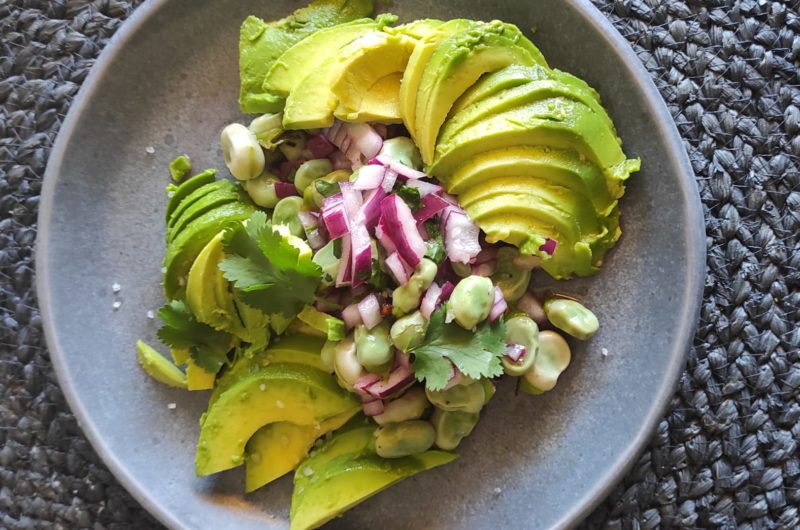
point(151, 314)
point(116, 287)
point(308, 471)
point(172, 406)
point(498, 491)
point(149, 149)
point(604, 352)
point(280, 404)
point(116, 305)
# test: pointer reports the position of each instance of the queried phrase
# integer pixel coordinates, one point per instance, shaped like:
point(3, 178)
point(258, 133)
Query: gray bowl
point(166, 85)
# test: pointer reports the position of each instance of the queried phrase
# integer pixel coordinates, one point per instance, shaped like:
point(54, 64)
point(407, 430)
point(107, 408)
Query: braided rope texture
point(725, 455)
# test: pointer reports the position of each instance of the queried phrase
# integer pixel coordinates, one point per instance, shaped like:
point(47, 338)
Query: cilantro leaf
point(208, 347)
point(410, 194)
point(378, 279)
point(435, 245)
point(325, 188)
point(474, 354)
point(266, 270)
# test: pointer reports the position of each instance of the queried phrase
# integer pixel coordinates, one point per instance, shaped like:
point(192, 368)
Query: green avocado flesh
point(346, 471)
point(261, 43)
point(187, 187)
point(278, 392)
point(225, 194)
point(458, 62)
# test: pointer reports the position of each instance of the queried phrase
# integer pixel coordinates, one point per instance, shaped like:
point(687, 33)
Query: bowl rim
point(693, 289)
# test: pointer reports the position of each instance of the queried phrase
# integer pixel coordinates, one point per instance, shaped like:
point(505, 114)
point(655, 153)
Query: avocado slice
point(519, 96)
point(554, 122)
point(261, 43)
point(291, 349)
point(490, 84)
point(213, 199)
point(344, 482)
point(292, 66)
point(458, 62)
point(197, 378)
point(417, 29)
point(182, 250)
point(159, 367)
point(381, 103)
point(557, 166)
point(186, 188)
point(348, 74)
point(278, 448)
point(278, 392)
point(409, 87)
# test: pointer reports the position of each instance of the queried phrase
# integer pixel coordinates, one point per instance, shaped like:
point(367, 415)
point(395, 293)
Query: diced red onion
point(344, 275)
point(429, 301)
point(351, 198)
point(399, 378)
point(425, 188)
point(369, 177)
point(549, 246)
point(386, 243)
point(402, 169)
point(431, 205)
point(399, 225)
point(358, 141)
point(285, 189)
point(363, 383)
point(361, 253)
point(460, 236)
point(340, 161)
point(288, 167)
point(423, 231)
point(319, 146)
point(373, 408)
point(447, 290)
point(397, 268)
point(499, 307)
point(351, 316)
point(335, 219)
point(371, 208)
point(515, 352)
point(389, 178)
point(315, 234)
point(370, 310)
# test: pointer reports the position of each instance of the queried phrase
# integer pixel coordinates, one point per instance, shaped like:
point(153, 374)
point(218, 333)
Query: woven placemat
point(725, 455)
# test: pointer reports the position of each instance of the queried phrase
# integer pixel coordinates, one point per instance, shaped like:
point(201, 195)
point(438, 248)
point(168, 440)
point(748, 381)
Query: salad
point(352, 295)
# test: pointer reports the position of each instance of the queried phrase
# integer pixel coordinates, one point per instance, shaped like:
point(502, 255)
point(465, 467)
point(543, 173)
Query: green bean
point(243, 155)
point(553, 358)
point(285, 213)
point(309, 171)
point(571, 317)
point(403, 150)
point(523, 331)
point(410, 406)
point(406, 298)
point(466, 398)
point(374, 348)
point(409, 331)
point(396, 440)
point(262, 190)
point(452, 426)
point(471, 301)
point(512, 280)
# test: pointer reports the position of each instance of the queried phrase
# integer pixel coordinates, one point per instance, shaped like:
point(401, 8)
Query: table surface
point(726, 453)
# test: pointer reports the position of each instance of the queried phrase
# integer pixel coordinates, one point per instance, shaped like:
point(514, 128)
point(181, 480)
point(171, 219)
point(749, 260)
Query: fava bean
point(396, 440)
point(471, 301)
point(410, 406)
point(328, 262)
point(310, 171)
point(512, 280)
point(406, 298)
point(285, 213)
point(267, 128)
point(571, 317)
point(243, 155)
point(466, 398)
point(553, 358)
point(409, 331)
point(461, 269)
point(262, 190)
point(452, 427)
point(311, 195)
point(521, 330)
point(292, 145)
point(345, 363)
point(374, 348)
point(403, 150)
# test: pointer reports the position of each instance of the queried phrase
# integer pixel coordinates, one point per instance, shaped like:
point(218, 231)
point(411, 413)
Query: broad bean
point(328, 262)
point(571, 317)
point(553, 358)
point(410, 406)
point(285, 213)
point(406, 298)
point(345, 363)
point(471, 301)
point(262, 190)
point(374, 348)
point(466, 398)
point(309, 171)
point(452, 426)
point(403, 150)
point(510, 278)
point(292, 145)
point(409, 331)
point(242, 152)
point(396, 440)
point(523, 331)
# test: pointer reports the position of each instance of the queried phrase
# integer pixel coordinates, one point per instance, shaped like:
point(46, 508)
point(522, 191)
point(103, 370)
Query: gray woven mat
point(726, 454)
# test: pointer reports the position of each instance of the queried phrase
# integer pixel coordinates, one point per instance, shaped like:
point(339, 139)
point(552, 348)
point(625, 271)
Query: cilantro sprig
point(475, 354)
point(208, 347)
point(266, 270)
